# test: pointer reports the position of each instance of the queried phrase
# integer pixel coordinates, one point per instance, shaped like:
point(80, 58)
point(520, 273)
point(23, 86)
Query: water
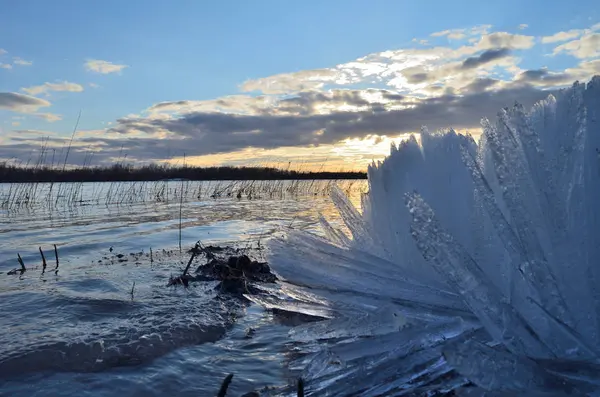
point(81, 332)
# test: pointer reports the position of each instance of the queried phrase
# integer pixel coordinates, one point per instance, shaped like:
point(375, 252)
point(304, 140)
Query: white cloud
point(584, 71)
point(452, 34)
point(21, 62)
point(480, 29)
point(15, 123)
point(506, 40)
point(104, 67)
point(587, 46)
point(562, 36)
point(93, 85)
point(46, 87)
point(386, 67)
point(5, 66)
point(420, 41)
point(523, 26)
point(415, 71)
point(459, 34)
point(49, 117)
point(3, 51)
point(291, 82)
point(442, 33)
point(456, 36)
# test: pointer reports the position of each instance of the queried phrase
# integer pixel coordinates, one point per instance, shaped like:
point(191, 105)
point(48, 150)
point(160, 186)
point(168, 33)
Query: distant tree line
point(154, 172)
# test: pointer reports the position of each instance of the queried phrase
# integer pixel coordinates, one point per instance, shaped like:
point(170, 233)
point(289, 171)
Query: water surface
point(81, 331)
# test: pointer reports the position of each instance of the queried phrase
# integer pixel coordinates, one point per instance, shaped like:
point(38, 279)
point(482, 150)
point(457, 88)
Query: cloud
point(523, 26)
point(33, 132)
point(421, 41)
point(21, 62)
point(446, 32)
point(562, 36)
point(391, 68)
point(242, 104)
point(46, 87)
point(103, 67)
point(584, 71)
point(479, 85)
point(16, 61)
point(587, 46)
point(201, 133)
point(544, 77)
point(93, 85)
point(506, 40)
point(49, 117)
point(451, 34)
point(303, 103)
point(485, 57)
point(290, 82)
point(453, 75)
point(21, 103)
point(459, 34)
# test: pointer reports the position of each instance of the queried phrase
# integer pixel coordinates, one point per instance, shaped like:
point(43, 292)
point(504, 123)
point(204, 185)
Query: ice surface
point(468, 262)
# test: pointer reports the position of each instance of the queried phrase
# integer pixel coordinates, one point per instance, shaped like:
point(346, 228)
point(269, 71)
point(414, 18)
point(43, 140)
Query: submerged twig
point(300, 387)
point(43, 260)
point(225, 386)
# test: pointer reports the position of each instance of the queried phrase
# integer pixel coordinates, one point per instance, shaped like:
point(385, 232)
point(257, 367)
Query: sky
point(318, 84)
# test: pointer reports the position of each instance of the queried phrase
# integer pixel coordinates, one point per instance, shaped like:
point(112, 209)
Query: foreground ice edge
point(471, 262)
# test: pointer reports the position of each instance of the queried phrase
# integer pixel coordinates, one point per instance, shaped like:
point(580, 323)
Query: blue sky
point(239, 82)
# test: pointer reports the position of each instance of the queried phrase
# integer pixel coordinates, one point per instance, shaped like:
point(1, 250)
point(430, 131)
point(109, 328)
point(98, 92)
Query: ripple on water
point(98, 333)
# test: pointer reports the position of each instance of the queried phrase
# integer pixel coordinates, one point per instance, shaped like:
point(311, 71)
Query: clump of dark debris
point(238, 274)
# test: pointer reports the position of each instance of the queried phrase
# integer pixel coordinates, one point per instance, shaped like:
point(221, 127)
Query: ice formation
point(470, 263)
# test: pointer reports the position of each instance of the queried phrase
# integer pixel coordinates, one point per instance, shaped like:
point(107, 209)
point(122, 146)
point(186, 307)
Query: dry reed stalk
point(56, 256)
point(23, 269)
point(225, 386)
point(43, 260)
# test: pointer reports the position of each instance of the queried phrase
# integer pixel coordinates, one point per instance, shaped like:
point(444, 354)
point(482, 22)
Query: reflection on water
point(79, 332)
